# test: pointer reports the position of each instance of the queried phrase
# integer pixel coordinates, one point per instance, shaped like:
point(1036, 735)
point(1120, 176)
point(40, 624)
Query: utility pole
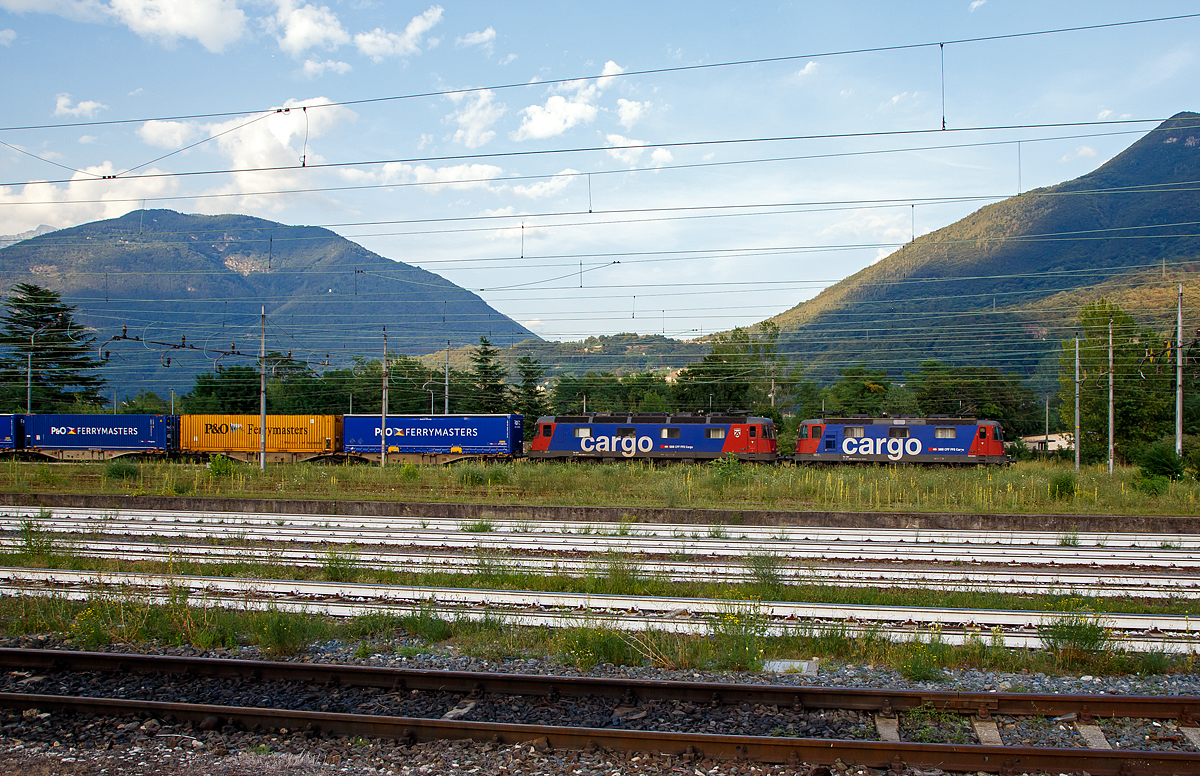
point(1047, 424)
point(1110, 397)
point(1179, 375)
point(383, 445)
point(262, 391)
point(1077, 440)
point(447, 410)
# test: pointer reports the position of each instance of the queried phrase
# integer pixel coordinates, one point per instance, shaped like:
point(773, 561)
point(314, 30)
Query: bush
point(118, 469)
point(1152, 486)
point(221, 466)
point(1160, 460)
point(1062, 485)
point(282, 634)
point(1076, 636)
point(737, 631)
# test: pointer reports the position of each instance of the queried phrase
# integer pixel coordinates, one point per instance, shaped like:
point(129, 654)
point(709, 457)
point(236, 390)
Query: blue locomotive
point(895, 440)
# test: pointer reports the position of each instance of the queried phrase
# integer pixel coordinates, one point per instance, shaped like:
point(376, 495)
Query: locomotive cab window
point(997, 433)
point(753, 432)
point(898, 432)
point(803, 433)
point(547, 430)
point(944, 432)
point(583, 432)
point(714, 433)
point(854, 432)
point(627, 431)
point(983, 432)
point(670, 433)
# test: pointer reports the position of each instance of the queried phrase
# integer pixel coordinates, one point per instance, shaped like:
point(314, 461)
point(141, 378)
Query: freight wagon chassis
point(424, 459)
point(72, 456)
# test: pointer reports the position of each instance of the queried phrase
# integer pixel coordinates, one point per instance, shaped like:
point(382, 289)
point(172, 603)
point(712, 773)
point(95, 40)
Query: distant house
point(1041, 443)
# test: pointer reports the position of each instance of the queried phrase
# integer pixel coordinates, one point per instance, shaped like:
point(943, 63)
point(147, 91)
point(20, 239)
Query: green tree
point(529, 396)
point(1143, 383)
point(231, 390)
point(859, 391)
point(145, 403)
point(60, 360)
point(744, 371)
point(981, 391)
point(491, 394)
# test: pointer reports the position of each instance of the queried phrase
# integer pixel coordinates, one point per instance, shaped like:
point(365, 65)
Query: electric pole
point(1078, 442)
point(447, 410)
point(1110, 397)
point(1179, 376)
point(262, 391)
point(383, 445)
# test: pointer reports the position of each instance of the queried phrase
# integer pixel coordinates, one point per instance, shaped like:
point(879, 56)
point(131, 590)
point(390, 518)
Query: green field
point(1028, 487)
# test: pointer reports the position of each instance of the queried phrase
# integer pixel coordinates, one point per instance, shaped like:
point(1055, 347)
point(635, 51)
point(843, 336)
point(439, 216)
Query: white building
point(1042, 443)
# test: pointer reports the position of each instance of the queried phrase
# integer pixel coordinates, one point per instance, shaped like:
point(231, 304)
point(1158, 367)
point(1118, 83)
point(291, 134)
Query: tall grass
point(1032, 486)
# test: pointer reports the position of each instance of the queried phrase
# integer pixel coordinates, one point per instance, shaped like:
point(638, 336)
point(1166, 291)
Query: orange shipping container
point(305, 434)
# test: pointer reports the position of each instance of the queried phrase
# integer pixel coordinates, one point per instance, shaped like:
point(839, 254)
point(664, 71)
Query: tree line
point(744, 371)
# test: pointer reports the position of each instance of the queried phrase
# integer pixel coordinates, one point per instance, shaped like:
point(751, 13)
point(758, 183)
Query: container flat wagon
point(682, 437)
point(290, 438)
point(901, 440)
point(435, 439)
point(12, 433)
point(100, 437)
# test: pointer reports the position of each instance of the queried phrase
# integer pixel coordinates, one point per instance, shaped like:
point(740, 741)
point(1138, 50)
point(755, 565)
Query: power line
point(631, 73)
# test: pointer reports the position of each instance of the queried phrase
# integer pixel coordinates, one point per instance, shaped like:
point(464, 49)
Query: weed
point(341, 565)
point(717, 532)
point(929, 726)
point(728, 467)
point(922, 661)
point(737, 631)
point(374, 624)
point(1152, 485)
point(1062, 485)
point(282, 634)
point(1076, 636)
point(1069, 538)
point(36, 542)
point(764, 569)
point(482, 525)
point(671, 651)
point(1170, 546)
point(424, 623)
point(1154, 662)
point(1159, 460)
point(409, 472)
point(222, 466)
point(44, 476)
point(587, 646)
point(260, 749)
point(120, 469)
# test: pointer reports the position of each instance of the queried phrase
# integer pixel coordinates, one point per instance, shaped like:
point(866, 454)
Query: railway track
point(984, 547)
point(60, 692)
point(1141, 632)
point(1015, 581)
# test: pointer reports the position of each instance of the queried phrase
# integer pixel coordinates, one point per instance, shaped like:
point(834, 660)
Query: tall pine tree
point(491, 394)
point(60, 360)
point(530, 398)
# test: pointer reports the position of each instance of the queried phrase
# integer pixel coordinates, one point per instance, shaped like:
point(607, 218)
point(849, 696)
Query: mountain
point(202, 280)
point(1002, 286)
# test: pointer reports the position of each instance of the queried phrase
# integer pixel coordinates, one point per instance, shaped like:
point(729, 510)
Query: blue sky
point(682, 239)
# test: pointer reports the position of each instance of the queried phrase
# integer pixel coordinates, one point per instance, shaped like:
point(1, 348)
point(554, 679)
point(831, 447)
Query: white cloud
point(483, 39)
point(135, 92)
point(1104, 114)
point(608, 74)
point(809, 68)
point(896, 99)
point(379, 43)
point(630, 154)
point(546, 188)
point(534, 324)
point(425, 140)
point(508, 60)
point(1082, 152)
point(73, 203)
point(630, 112)
point(87, 139)
point(866, 225)
point(299, 29)
point(86, 109)
point(475, 118)
point(212, 23)
point(7, 37)
point(661, 156)
point(560, 113)
point(314, 69)
point(168, 134)
point(456, 177)
point(977, 4)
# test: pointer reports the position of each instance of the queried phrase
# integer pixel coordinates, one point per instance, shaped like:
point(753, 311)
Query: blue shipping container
point(436, 434)
point(152, 433)
point(11, 431)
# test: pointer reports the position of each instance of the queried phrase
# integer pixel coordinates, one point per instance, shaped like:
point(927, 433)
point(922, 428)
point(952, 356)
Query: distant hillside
point(1001, 286)
point(165, 276)
point(620, 354)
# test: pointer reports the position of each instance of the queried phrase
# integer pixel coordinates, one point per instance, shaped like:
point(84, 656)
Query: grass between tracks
point(1074, 635)
point(1027, 487)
